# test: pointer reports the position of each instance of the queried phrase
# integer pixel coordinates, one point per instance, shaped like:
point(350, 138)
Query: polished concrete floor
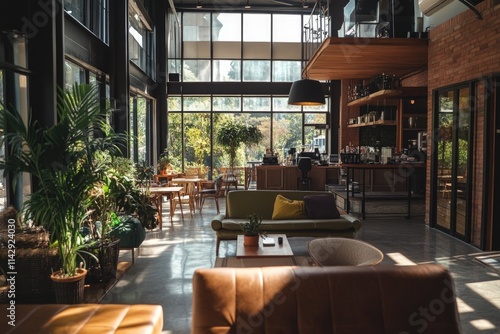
point(162, 273)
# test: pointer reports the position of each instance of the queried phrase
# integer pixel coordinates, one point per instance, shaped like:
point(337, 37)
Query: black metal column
point(119, 65)
point(160, 92)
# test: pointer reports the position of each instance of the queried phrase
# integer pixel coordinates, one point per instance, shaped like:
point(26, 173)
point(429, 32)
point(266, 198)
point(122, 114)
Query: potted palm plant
point(251, 230)
point(61, 160)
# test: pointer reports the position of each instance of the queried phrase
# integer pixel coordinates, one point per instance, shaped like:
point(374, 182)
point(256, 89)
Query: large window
point(244, 49)
point(140, 128)
point(237, 47)
point(194, 122)
point(14, 96)
point(141, 41)
point(93, 14)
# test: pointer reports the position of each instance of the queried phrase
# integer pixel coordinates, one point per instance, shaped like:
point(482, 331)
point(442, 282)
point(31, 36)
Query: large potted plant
point(61, 160)
point(233, 133)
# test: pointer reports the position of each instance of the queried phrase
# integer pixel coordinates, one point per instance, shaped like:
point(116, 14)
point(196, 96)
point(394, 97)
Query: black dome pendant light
point(306, 92)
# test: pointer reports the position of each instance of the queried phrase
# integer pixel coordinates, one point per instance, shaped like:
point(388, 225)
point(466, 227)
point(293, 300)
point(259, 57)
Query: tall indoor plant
point(233, 133)
point(61, 160)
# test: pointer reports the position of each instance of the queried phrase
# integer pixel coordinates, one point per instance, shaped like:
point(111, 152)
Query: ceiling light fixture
point(199, 5)
point(247, 5)
point(306, 92)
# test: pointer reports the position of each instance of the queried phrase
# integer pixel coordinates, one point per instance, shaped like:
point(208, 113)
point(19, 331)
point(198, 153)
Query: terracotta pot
point(251, 240)
point(69, 290)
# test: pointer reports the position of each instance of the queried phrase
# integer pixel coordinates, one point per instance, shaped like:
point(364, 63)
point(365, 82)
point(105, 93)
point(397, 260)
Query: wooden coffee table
point(263, 256)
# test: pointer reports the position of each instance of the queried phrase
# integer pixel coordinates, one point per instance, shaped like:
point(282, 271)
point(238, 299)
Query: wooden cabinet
point(285, 177)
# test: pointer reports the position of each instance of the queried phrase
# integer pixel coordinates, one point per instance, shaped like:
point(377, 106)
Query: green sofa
point(241, 203)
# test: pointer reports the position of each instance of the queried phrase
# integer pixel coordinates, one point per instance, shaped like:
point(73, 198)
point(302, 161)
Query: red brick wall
point(462, 49)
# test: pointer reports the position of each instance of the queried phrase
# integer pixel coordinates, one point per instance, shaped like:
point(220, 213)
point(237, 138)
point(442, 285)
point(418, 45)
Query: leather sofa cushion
point(340, 300)
point(285, 208)
point(86, 319)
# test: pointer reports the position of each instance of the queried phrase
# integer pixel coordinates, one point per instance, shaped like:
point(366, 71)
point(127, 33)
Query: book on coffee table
point(261, 251)
point(267, 242)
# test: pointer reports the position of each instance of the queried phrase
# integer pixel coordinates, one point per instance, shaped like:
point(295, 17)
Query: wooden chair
point(211, 193)
point(192, 172)
point(189, 198)
point(229, 179)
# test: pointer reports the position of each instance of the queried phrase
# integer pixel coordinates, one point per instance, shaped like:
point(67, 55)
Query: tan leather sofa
point(83, 319)
point(341, 300)
point(241, 203)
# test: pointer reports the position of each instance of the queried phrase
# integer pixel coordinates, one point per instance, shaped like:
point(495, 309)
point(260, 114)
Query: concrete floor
point(162, 273)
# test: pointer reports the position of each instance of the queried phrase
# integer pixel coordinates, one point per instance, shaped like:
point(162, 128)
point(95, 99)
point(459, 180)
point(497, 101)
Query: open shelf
point(379, 122)
point(389, 93)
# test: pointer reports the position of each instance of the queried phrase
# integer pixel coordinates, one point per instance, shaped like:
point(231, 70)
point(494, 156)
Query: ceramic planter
point(251, 240)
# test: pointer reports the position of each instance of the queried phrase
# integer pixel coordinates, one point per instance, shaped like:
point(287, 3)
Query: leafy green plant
point(252, 226)
point(143, 173)
point(163, 161)
point(232, 134)
point(62, 160)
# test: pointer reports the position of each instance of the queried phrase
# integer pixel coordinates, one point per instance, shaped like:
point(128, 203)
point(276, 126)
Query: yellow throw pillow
point(285, 208)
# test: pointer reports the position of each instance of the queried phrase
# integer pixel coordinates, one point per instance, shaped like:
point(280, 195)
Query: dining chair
point(211, 193)
point(188, 197)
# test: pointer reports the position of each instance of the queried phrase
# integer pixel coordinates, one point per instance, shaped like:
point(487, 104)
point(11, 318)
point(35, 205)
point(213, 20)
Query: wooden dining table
point(169, 192)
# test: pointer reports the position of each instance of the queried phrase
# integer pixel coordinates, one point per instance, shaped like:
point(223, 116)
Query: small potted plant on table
point(163, 163)
point(251, 230)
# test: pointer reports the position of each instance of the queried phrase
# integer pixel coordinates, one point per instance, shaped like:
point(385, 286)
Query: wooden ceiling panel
point(363, 58)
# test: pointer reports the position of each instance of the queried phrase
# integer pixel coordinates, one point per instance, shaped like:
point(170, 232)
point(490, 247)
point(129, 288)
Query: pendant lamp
point(306, 92)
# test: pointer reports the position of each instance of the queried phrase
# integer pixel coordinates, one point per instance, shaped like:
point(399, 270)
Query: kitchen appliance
point(422, 141)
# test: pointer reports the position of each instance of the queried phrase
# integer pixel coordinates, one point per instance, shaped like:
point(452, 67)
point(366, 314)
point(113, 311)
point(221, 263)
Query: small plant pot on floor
point(69, 290)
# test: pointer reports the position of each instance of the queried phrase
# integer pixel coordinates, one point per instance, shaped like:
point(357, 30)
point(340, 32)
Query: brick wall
point(464, 49)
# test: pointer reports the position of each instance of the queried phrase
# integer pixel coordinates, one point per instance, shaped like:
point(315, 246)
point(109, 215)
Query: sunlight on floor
point(463, 307)
point(489, 290)
point(400, 259)
point(482, 324)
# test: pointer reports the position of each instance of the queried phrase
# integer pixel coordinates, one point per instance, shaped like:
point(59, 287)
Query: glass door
point(452, 154)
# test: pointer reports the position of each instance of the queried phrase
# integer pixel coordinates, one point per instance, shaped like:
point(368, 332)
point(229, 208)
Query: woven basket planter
point(35, 262)
point(107, 252)
point(69, 290)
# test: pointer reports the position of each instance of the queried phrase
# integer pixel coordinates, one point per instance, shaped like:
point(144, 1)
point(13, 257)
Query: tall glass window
point(14, 96)
point(93, 14)
point(452, 153)
point(243, 49)
point(141, 42)
point(140, 127)
point(73, 74)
